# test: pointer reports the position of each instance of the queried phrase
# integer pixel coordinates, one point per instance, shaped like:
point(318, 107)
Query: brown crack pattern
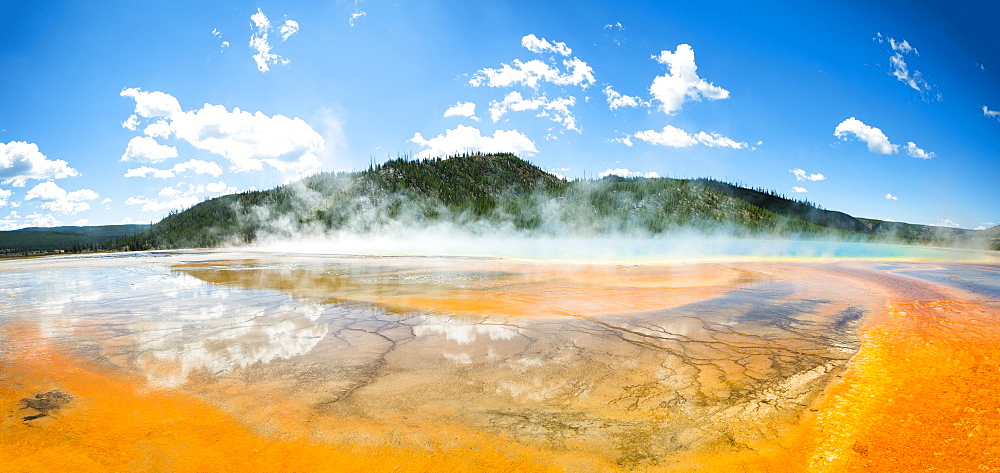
point(745, 365)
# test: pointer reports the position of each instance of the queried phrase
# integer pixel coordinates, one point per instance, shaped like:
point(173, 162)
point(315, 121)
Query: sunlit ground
point(239, 361)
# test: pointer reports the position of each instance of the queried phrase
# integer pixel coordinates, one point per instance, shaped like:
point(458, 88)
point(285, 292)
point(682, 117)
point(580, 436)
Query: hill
point(487, 193)
point(70, 239)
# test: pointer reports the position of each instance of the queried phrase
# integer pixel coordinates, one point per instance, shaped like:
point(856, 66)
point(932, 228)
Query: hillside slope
point(47, 239)
point(486, 193)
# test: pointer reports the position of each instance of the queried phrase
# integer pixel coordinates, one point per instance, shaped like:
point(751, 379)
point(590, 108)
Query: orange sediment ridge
point(113, 424)
point(921, 394)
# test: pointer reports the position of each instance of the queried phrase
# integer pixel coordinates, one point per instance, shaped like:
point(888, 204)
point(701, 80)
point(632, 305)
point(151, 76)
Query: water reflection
point(625, 365)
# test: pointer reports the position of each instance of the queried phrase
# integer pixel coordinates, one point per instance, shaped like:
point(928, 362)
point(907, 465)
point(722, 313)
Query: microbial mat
point(242, 361)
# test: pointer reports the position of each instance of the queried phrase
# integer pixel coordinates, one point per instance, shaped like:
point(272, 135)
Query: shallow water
point(280, 362)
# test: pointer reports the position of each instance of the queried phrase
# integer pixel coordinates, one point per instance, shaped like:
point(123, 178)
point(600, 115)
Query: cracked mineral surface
point(227, 361)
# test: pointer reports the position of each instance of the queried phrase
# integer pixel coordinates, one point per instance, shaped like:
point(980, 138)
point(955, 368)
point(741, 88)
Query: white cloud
point(81, 222)
point(801, 175)
point(991, 113)
point(56, 199)
point(900, 70)
point(151, 105)
point(222, 44)
point(677, 138)
point(132, 123)
point(195, 166)
point(127, 221)
point(144, 149)
point(469, 139)
point(617, 26)
point(10, 222)
point(627, 173)
point(681, 83)
point(357, 14)
point(540, 46)
point(153, 205)
point(799, 190)
point(534, 72)
point(557, 109)
point(876, 140)
point(4, 195)
point(289, 28)
point(183, 196)
point(258, 40)
point(619, 100)
point(915, 152)
point(39, 220)
point(945, 222)
point(986, 225)
point(891, 197)
point(462, 109)
point(626, 140)
point(20, 161)
point(247, 140)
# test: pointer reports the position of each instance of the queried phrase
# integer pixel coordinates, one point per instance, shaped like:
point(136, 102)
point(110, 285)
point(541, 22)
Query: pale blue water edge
point(690, 248)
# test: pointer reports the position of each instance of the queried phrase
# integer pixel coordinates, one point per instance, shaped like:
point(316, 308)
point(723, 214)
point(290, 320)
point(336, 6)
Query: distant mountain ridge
point(488, 192)
point(66, 238)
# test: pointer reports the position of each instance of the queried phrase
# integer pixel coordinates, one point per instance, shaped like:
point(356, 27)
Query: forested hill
point(485, 193)
point(73, 239)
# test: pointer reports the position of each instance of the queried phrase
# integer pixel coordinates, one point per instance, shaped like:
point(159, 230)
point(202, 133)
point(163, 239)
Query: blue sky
point(116, 112)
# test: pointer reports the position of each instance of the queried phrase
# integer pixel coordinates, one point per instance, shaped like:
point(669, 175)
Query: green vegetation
point(486, 193)
point(65, 239)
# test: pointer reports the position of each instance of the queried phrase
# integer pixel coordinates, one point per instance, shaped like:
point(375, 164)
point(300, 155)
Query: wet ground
point(225, 361)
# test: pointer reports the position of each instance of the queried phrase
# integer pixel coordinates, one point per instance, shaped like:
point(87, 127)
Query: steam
point(334, 216)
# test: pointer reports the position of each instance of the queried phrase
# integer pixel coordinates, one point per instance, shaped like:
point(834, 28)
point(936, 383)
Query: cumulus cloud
point(799, 190)
point(193, 166)
point(946, 222)
point(247, 140)
point(533, 72)
point(801, 175)
point(462, 109)
point(289, 28)
point(150, 105)
point(876, 140)
point(4, 196)
point(180, 196)
point(259, 40)
point(541, 46)
point(627, 173)
point(681, 82)
point(891, 197)
point(991, 113)
point(901, 71)
point(39, 220)
point(144, 149)
point(20, 161)
point(469, 139)
point(915, 152)
point(619, 100)
point(558, 110)
point(56, 199)
point(625, 140)
point(677, 138)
